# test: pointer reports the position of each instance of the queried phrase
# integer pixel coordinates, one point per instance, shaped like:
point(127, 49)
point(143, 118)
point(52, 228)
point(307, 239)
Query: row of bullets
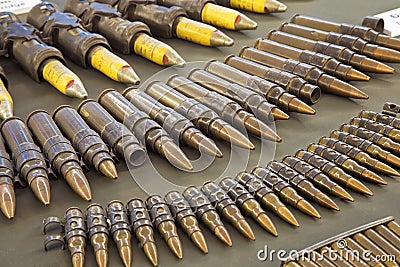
point(326, 55)
point(373, 244)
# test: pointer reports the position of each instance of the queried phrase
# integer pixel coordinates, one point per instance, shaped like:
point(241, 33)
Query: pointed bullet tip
point(78, 259)
point(174, 244)
point(8, 202)
point(267, 224)
point(102, 258)
point(287, 215)
point(41, 188)
point(245, 23)
point(340, 192)
point(223, 235)
point(107, 168)
point(125, 253)
point(305, 207)
point(76, 179)
point(199, 240)
point(279, 114)
point(175, 155)
point(150, 250)
point(245, 229)
point(127, 75)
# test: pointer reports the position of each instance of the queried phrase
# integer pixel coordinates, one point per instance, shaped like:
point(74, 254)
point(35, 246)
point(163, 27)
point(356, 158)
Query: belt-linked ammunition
point(367, 146)
point(341, 53)
point(164, 223)
point(358, 155)
point(226, 206)
point(257, 6)
point(64, 31)
point(285, 191)
point(326, 63)
point(120, 230)
point(186, 218)
point(376, 138)
point(317, 177)
point(168, 22)
point(272, 92)
point(378, 127)
point(292, 83)
point(59, 151)
point(143, 228)
point(333, 171)
point(265, 196)
point(7, 194)
point(179, 127)
point(207, 213)
point(6, 104)
point(86, 141)
point(75, 235)
point(148, 131)
point(209, 12)
point(248, 99)
point(21, 42)
point(27, 157)
point(381, 118)
point(115, 134)
point(227, 109)
point(203, 117)
point(97, 229)
point(356, 30)
point(301, 184)
point(247, 203)
point(379, 240)
point(345, 163)
point(356, 44)
point(310, 73)
point(125, 36)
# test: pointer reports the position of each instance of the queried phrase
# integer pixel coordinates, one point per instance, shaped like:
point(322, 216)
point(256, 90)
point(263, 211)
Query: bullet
point(367, 146)
point(119, 228)
point(227, 109)
point(247, 203)
point(64, 31)
point(356, 247)
point(377, 127)
point(326, 63)
point(75, 235)
point(115, 134)
point(386, 233)
point(143, 228)
point(86, 141)
point(7, 194)
point(145, 129)
point(366, 33)
point(310, 73)
point(225, 206)
point(358, 155)
point(333, 171)
point(164, 223)
point(256, 6)
point(169, 22)
point(6, 104)
point(301, 184)
point(182, 130)
point(210, 13)
point(97, 228)
point(272, 92)
point(27, 157)
point(356, 44)
point(62, 157)
point(349, 255)
point(383, 243)
point(123, 35)
point(346, 163)
point(292, 83)
point(317, 177)
point(266, 196)
point(338, 52)
point(38, 60)
point(248, 99)
point(287, 193)
point(395, 227)
point(186, 218)
point(372, 136)
point(207, 213)
point(203, 117)
point(381, 118)
point(334, 257)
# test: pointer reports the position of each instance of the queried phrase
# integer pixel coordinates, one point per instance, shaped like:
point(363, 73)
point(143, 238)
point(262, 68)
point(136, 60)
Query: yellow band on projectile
point(107, 62)
point(4, 94)
point(219, 16)
point(55, 73)
point(150, 48)
point(257, 6)
point(194, 31)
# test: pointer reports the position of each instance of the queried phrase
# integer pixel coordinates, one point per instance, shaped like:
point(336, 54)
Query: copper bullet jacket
point(75, 235)
point(97, 228)
point(115, 134)
point(291, 82)
point(6, 182)
point(377, 127)
point(381, 118)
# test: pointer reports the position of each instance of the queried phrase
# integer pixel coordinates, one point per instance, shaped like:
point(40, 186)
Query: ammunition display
point(377, 127)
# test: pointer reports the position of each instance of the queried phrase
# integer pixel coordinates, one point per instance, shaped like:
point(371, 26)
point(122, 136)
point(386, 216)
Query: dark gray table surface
point(22, 239)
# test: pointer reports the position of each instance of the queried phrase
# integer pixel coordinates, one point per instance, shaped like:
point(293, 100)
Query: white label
point(17, 6)
point(392, 22)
